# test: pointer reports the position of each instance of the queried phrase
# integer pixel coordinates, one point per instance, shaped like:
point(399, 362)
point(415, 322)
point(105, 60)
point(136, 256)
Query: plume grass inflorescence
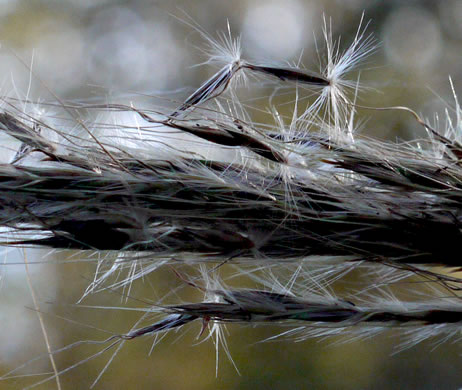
point(290, 206)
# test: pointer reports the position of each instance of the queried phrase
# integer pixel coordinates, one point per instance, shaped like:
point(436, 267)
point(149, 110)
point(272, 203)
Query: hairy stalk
point(255, 306)
point(212, 208)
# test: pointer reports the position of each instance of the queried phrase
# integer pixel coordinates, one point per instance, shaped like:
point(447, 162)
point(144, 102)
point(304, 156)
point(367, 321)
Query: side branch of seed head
point(258, 306)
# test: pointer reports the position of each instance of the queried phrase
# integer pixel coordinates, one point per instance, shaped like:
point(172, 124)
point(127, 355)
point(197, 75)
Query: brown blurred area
point(92, 50)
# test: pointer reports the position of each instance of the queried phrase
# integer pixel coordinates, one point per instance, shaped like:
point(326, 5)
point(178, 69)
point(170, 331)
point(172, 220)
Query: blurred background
point(100, 50)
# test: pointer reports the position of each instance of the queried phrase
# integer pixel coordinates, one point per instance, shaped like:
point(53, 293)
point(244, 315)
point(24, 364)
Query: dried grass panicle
point(218, 208)
point(204, 184)
point(255, 306)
